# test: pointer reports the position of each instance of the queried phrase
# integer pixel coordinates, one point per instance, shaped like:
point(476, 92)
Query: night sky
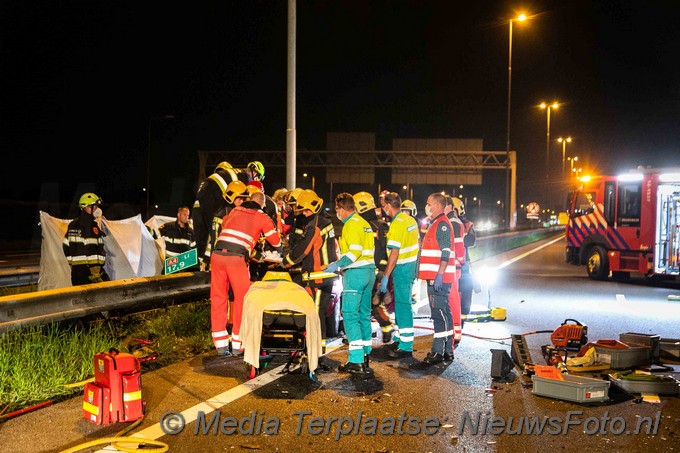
point(81, 80)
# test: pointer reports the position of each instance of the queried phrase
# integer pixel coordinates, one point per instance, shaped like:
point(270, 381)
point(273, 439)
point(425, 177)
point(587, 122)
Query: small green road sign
point(181, 262)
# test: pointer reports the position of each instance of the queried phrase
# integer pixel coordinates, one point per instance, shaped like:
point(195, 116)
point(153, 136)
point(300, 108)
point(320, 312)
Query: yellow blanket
point(278, 295)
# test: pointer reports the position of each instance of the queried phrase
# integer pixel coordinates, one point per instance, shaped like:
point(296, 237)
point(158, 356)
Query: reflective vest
point(431, 251)
point(403, 236)
point(458, 244)
point(356, 243)
point(177, 239)
point(242, 228)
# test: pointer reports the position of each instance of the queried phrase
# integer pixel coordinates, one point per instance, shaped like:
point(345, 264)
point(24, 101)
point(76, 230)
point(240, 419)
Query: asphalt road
point(538, 290)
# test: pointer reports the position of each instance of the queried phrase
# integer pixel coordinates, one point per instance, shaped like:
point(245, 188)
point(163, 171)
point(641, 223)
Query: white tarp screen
point(130, 251)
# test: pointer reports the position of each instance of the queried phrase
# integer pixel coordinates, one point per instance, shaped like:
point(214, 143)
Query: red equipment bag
point(116, 394)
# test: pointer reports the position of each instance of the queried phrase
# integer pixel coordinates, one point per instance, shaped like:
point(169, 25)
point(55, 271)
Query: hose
point(489, 338)
point(24, 410)
point(146, 444)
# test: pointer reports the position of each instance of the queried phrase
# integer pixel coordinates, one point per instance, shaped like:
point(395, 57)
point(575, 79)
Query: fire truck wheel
point(598, 263)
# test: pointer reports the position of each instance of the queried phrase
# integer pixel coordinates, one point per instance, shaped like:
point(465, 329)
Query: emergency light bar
point(669, 177)
point(630, 177)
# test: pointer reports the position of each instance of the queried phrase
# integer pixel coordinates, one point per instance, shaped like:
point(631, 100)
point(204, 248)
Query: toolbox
point(642, 339)
point(620, 356)
point(660, 385)
point(571, 388)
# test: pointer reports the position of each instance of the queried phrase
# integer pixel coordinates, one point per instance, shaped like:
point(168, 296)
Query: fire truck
point(626, 224)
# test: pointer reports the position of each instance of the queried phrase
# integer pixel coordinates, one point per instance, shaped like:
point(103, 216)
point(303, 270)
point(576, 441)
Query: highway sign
point(180, 262)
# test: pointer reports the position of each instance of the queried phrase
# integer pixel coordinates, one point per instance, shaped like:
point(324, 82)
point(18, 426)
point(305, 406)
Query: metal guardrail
point(42, 307)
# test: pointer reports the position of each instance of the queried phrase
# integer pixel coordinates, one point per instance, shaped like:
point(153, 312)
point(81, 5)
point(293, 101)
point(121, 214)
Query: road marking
point(620, 298)
point(524, 255)
point(155, 432)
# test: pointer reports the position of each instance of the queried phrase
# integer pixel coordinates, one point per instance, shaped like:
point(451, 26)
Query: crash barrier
point(43, 307)
point(498, 243)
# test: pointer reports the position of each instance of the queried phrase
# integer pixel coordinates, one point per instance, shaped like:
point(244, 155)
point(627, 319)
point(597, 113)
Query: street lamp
point(520, 18)
point(564, 142)
point(552, 106)
point(571, 163)
point(304, 175)
point(148, 157)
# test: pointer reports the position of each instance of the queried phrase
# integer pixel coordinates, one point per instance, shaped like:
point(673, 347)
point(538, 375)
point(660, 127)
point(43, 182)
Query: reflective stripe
point(406, 339)
point(221, 343)
point(368, 343)
point(355, 345)
point(426, 252)
point(410, 330)
point(351, 256)
point(90, 408)
point(221, 333)
point(355, 247)
point(407, 260)
point(435, 267)
point(239, 234)
point(132, 396)
point(444, 334)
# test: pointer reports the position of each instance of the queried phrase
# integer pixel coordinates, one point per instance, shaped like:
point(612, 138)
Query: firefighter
point(402, 243)
point(312, 245)
point(258, 265)
point(210, 199)
point(454, 295)
point(241, 230)
point(465, 283)
point(84, 243)
point(365, 206)
point(357, 248)
point(234, 196)
point(178, 235)
point(437, 267)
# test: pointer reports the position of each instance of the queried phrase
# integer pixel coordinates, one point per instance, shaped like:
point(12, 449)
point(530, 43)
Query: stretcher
point(280, 319)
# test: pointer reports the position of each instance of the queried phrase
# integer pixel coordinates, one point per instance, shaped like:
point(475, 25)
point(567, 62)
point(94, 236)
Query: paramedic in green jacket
point(356, 264)
point(402, 246)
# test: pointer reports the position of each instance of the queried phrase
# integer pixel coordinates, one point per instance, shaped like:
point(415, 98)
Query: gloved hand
point(438, 282)
point(383, 284)
point(333, 267)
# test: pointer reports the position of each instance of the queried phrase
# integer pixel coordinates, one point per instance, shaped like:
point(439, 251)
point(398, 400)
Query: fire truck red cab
point(626, 224)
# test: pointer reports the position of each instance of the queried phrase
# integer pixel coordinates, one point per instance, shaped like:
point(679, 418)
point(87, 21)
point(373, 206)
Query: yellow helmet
point(89, 199)
point(308, 199)
point(235, 189)
point(458, 205)
point(292, 196)
point(223, 166)
point(251, 189)
point(363, 201)
point(409, 208)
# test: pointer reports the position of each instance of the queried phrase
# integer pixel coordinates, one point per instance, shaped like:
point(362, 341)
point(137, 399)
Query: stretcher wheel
point(252, 371)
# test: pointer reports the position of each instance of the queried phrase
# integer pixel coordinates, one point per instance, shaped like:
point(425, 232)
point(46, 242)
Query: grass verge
point(38, 363)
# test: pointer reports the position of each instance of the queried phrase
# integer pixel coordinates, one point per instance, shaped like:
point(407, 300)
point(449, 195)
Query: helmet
point(292, 196)
point(408, 205)
point(89, 199)
point(363, 202)
point(308, 199)
point(257, 168)
point(223, 166)
point(458, 205)
point(383, 193)
point(252, 188)
point(235, 189)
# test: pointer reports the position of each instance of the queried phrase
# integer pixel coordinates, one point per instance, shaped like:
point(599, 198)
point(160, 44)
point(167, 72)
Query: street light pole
point(148, 157)
point(564, 142)
point(554, 106)
point(520, 18)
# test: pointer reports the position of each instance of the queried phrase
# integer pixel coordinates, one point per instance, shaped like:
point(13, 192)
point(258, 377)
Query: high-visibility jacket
point(242, 228)
point(437, 247)
point(404, 236)
point(209, 200)
point(84, 242)
point(356, 243)
point(177, 239)
point(458, 235)
point(313, 245)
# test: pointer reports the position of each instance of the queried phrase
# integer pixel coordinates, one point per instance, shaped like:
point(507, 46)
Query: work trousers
point(403, 276)
point(356, 311)
point(227, 272)
point(454, 300)
point(441, 318)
